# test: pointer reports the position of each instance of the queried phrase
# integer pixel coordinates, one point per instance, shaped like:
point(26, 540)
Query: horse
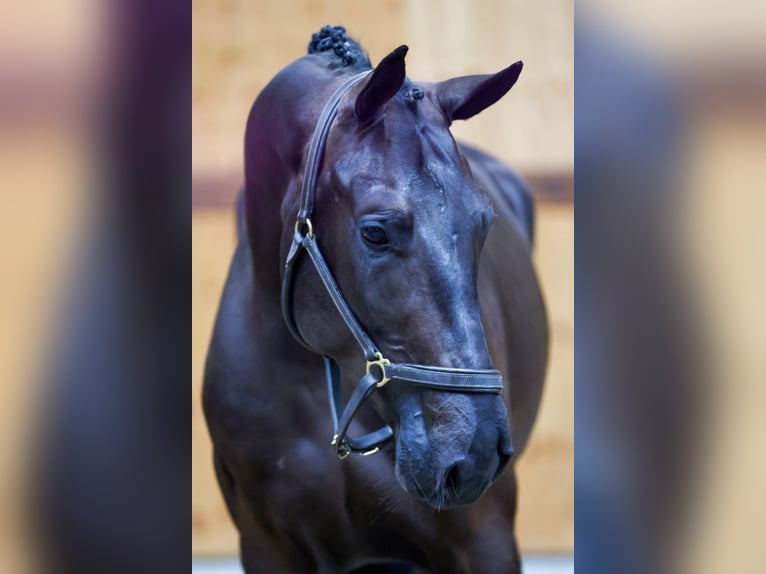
point(378, 260)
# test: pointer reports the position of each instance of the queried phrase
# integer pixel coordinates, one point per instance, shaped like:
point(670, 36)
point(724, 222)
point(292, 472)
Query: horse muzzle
point(454, 459)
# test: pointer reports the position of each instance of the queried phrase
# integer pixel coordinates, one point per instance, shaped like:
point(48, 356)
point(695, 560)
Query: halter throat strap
point(379, 370)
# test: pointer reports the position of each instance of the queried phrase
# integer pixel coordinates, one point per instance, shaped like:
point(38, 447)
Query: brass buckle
point(381, 363)
point(343, 451)
point(307, 223)
point(340, 449)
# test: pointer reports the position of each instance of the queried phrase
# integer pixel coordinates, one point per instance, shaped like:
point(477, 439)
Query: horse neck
point(279, 128)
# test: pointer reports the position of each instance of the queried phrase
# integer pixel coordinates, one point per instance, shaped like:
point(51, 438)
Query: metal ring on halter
point(342, 449)
point(307, 223)
point(381, 363)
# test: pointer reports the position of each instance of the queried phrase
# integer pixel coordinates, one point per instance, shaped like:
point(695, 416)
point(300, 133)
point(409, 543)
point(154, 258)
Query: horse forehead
point(401, 159)
point(432, 184)
point(429, 192)
point(409, 157)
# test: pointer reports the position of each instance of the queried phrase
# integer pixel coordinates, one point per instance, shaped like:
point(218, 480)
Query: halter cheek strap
point(379, 370)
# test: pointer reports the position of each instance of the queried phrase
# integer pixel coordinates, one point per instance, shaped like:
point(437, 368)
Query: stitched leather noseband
point(380, 370)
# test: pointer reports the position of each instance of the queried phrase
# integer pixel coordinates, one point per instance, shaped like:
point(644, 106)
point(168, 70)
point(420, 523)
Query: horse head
point(401, 223)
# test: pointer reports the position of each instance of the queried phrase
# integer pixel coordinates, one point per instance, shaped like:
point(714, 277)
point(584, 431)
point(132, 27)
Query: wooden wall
point(238, 45)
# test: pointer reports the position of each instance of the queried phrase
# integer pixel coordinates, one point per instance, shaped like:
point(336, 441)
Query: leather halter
point(379, 369)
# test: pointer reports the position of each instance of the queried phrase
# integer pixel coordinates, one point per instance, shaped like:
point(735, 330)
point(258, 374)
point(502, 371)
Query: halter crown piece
point(380, 371)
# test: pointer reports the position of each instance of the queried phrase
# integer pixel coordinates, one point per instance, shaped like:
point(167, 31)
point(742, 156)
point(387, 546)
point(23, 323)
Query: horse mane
point(335, 39)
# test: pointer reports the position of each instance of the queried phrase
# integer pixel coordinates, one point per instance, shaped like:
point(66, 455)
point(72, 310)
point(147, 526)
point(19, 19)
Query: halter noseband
point(379, 369)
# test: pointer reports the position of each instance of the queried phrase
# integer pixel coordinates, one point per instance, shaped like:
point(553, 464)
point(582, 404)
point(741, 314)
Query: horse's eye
point(374, 234)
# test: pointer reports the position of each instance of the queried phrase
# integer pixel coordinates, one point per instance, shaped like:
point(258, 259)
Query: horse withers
point(382, 288)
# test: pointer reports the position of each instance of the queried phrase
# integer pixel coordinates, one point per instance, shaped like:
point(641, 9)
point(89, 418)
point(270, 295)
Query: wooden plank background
point(239, 45)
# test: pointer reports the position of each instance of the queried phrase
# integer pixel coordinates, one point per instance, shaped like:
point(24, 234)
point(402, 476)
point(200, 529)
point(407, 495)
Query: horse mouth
point(449, 490)
point(447, 497)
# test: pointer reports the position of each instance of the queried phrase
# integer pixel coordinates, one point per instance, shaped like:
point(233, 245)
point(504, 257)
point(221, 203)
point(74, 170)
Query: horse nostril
point(505, 449)
point(504, 456)
point(452, 477)
point(504, 459)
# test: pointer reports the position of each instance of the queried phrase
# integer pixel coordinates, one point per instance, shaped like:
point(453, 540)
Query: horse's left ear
point(464, 97)
point(383, 84)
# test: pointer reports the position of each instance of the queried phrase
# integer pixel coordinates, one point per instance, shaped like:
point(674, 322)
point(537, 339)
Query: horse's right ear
point(461, 98)
point(385, 81)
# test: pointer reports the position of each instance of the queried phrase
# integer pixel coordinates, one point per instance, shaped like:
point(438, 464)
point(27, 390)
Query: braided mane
point(343, 46)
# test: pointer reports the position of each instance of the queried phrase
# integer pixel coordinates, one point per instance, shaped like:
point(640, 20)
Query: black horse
point(365, 225)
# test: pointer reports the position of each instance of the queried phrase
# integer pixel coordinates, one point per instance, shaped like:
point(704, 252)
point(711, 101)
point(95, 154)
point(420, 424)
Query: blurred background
point(669, 145)
point(670, 137)
point(49, 65)
point(89, 157)
point(238, 46)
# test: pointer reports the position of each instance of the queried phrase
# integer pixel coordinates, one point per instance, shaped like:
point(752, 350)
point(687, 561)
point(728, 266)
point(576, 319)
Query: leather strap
point(447, 379)
point(316, 149)
point(368, 347)
point(369, 442)
point(379, 370)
